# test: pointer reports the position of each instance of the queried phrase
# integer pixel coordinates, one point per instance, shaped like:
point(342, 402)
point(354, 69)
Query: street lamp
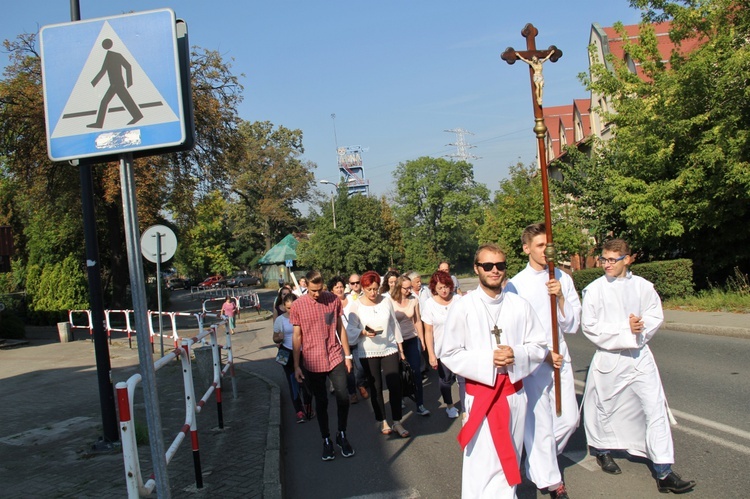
point(333, 206)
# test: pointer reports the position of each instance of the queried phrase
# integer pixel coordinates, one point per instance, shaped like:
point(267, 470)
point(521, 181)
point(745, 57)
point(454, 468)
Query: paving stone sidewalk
point(51, 417)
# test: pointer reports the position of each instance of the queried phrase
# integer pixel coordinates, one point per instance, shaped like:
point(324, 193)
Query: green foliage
point(208, 239)
point(440, 207)
point(363, 239)
point(734, 296)
point(671, 278)
point(11, 326)
point(55, 288)
point(677, 172)
point(518, 203)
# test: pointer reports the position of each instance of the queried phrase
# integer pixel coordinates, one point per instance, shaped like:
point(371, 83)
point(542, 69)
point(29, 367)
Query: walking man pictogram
point(113, 65)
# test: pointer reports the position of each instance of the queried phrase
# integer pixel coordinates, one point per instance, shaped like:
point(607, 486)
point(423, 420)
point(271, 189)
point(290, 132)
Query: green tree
point(269, 178)
point(363, 238)
point(440, 206)
point(679, 160)
point(207, 242)
point(518, 203)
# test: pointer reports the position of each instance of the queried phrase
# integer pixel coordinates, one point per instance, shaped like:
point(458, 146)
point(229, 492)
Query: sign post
point(158, 244)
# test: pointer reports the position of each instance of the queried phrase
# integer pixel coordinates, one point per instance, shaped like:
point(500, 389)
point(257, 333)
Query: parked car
point(212, 282)
point(242, 280)
point(176, 283)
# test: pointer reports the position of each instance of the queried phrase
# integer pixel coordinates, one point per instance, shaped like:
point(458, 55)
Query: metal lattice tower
point(461, 146)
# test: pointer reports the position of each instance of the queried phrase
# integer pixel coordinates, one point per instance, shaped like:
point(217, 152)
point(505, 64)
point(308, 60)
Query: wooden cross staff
point(535, 59)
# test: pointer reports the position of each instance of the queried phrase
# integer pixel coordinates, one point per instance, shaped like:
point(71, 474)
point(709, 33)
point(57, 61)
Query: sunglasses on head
point(487, 266)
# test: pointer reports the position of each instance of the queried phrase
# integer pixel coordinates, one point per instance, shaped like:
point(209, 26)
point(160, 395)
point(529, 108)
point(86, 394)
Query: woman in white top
point(356, 377)
point(371, 319)
point(433, 315)
point(406, 308)
point(282, 336)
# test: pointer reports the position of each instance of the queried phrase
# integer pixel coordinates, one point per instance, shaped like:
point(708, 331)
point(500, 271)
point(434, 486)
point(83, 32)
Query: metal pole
point(96, 302)
point(138, 292)
point(333, 210)
point(158, 290)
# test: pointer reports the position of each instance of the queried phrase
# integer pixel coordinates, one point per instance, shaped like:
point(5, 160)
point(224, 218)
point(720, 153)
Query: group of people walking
point(496, 341)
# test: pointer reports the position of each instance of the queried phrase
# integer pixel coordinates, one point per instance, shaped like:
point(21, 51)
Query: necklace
point(495, 330)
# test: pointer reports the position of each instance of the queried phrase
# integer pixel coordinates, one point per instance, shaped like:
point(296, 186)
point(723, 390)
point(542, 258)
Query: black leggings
point(316, 382)
point(389, 365)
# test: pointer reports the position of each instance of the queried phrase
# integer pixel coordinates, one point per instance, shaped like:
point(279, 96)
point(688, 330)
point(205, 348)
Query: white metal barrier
point(128, 329)
point(89, 321)
point(125, 390)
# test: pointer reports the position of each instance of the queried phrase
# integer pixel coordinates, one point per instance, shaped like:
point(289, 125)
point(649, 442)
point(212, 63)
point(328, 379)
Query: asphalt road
point(704, 378)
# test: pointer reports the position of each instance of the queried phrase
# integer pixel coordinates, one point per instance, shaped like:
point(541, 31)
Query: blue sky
point(396, 74)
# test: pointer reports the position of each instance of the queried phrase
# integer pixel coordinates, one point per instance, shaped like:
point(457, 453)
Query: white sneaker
point(422, 411)
point(452, 412)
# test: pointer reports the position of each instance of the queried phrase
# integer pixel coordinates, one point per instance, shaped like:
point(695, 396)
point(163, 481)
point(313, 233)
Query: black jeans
point(389, 366)
point(316, 382)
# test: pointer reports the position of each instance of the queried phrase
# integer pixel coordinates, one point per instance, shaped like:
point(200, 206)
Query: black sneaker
point(608, 464)
point(344, 445)
point(674, 483)
point(328, 454)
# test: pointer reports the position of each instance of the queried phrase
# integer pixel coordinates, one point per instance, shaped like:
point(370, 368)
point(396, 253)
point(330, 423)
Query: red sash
point(492, 403)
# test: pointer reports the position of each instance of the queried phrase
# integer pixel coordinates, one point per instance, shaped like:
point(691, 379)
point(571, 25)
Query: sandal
point(384, 428)
point(398, 428)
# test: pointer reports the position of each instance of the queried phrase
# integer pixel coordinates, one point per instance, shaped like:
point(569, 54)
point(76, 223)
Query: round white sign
point(168, 243)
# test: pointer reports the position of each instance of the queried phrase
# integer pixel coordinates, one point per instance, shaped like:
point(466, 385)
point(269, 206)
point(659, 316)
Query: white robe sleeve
point(571, 321)
point(605, 330)
point(528, 342)
point(652, 313)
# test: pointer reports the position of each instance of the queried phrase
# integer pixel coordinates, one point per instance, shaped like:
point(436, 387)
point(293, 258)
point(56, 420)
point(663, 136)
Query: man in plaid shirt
point(321, 351)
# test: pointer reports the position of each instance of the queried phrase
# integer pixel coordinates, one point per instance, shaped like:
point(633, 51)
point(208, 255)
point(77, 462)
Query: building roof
point(284, 250)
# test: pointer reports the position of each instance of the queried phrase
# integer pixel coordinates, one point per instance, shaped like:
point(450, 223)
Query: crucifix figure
point(535, 58)
point(538, 77)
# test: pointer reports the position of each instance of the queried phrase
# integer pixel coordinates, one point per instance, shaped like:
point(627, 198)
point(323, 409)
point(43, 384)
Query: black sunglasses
point(353, 283)
point(487, 266)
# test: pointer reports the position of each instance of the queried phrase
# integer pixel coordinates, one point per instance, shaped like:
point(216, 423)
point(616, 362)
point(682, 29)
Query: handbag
point(408, 386)
point(283, 356)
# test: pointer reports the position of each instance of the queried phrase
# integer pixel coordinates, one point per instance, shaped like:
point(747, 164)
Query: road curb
point(733, 332)
point(272, 468)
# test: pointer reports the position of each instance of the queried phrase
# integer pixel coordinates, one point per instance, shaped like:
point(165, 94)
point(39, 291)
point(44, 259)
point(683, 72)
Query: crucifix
point(497, 332)
point(535, 59)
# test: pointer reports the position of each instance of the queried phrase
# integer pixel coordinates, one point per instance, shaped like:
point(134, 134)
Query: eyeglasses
point(353, 283)
point(487, 266)
point(610, 261)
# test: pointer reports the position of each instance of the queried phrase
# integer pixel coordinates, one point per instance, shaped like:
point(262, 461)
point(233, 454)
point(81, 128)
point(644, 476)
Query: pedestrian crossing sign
point(112, 85)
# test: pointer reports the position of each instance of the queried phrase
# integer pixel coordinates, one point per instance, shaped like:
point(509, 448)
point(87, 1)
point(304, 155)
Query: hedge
point(671, 278)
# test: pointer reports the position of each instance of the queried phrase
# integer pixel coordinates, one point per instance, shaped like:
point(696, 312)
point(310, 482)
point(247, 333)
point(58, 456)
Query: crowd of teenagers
point(353, 337)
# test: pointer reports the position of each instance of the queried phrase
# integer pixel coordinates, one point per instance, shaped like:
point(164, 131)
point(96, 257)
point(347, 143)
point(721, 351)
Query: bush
point(11, 326)
point(671, 278)
point(55, 288)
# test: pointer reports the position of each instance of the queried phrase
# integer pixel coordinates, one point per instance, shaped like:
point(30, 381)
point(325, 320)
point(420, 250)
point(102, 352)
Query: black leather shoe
point(608, 464)
point(674, 483)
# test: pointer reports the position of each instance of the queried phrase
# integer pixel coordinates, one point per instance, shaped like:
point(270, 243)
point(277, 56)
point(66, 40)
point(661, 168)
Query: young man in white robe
point(624, 403)
point(494, 340)
point(547, 433)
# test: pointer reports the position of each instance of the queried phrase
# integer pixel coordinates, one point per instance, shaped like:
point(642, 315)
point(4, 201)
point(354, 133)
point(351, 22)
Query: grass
point(734, 296)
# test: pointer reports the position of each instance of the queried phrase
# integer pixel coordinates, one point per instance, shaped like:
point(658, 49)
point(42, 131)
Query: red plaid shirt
point(321, 348)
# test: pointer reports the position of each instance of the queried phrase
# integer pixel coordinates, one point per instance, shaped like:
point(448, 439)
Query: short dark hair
point(488, 246)
point(335, 280)
point(531, 231)
point(314, 277)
